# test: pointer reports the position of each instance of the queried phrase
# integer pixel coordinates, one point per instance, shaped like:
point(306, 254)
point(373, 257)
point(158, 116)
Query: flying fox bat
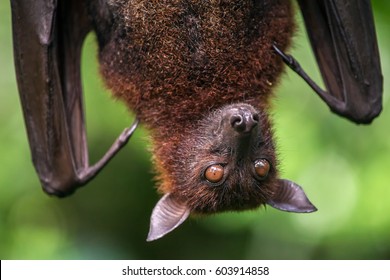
point(199, 75)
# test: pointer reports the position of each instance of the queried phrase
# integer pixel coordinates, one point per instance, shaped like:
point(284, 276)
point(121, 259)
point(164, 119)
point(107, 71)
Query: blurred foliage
point(344, 168)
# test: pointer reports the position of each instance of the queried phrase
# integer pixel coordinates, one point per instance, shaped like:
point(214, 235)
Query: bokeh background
point(344, 168)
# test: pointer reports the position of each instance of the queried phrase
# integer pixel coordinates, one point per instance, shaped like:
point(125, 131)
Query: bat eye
point(262, 168)
point(214, 173)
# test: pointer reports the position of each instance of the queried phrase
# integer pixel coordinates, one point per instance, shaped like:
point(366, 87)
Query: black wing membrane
point(48, 37)
point(343, 38)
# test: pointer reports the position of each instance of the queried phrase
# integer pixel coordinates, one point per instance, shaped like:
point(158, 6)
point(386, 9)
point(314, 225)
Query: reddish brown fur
point(174, 61)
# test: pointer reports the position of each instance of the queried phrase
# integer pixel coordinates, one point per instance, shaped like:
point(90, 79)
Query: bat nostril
point(237, 122)
point(244, 122)
point(251, 122)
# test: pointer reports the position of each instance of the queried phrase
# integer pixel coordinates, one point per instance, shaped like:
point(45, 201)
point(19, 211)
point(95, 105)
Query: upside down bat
point(199, 75)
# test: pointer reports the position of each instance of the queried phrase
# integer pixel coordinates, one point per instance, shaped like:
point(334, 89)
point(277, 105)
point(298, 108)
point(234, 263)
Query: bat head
point(227, 163)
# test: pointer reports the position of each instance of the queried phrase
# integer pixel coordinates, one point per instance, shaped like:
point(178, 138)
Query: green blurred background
point(344, 168)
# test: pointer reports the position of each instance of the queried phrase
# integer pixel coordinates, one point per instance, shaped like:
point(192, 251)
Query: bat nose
point(244, 121)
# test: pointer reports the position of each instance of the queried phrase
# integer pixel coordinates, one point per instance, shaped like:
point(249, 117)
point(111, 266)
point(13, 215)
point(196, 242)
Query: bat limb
point(83, 175)
point(89, 173)
point(335, 104)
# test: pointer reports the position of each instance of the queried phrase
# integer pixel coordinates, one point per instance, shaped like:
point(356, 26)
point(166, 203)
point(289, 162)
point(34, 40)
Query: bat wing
point(342, 35)
point(48, 37)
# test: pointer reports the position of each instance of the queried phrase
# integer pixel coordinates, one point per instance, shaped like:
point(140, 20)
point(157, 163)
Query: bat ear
point(167, 215)
point(290, 197)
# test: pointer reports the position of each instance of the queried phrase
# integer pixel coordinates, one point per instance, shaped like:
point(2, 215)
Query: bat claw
point(90, 172)
point(288, 59)
point(127, 132)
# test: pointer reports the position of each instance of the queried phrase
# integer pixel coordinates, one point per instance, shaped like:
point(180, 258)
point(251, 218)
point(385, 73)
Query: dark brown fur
point(212, 142)
point(175, 61)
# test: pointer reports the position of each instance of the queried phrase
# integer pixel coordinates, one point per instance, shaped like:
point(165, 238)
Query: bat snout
point(244, 121)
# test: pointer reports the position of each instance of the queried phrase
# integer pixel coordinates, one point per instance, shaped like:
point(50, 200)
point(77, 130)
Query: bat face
point(228, 163)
